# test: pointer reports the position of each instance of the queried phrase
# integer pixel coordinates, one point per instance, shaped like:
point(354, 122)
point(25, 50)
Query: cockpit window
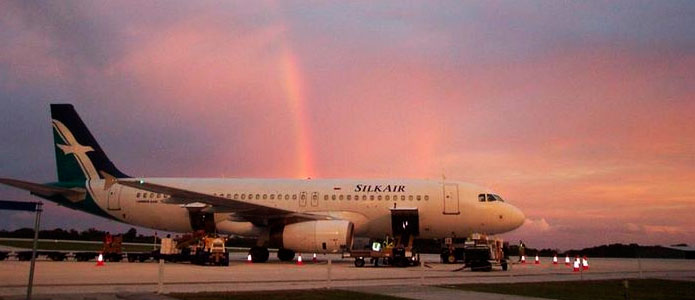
point(481, 197)
point(493, 197)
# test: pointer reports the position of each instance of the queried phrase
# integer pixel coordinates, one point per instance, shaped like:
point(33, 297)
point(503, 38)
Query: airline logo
point(388, 188)
point(73, 147)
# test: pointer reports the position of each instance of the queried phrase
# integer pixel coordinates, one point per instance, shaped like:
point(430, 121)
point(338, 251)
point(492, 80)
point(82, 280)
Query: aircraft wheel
point(451, 259)
point(359, 262)
point(259, 254)
point(284, 254)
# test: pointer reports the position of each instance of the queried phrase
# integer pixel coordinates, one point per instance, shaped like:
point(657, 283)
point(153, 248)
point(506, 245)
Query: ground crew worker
point(522, 249)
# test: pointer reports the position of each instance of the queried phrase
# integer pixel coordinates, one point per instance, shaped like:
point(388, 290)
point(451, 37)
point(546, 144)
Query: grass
point(68, 246)
point(602, 289)
point(283, 295)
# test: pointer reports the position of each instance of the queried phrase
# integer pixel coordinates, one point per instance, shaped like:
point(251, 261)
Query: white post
point(330, 265)
point(422, 270)
point(160, 279)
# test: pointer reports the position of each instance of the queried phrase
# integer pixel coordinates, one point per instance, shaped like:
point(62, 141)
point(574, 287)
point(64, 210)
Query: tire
point(451, 259)
point(359, 262)
point(259, 254)
point(401, 262)
point(284, 254)
point(504, 266)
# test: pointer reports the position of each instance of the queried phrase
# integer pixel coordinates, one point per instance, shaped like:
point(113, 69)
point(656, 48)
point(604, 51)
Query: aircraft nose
point(517, 217)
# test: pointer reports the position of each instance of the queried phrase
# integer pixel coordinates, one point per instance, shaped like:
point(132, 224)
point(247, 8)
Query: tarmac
point(124, 280)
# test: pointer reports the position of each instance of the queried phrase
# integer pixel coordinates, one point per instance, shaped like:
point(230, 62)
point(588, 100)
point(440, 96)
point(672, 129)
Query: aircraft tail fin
point(78, 155)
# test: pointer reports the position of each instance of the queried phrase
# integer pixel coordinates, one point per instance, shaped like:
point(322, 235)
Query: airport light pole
point(37, 225)
point(27, 206)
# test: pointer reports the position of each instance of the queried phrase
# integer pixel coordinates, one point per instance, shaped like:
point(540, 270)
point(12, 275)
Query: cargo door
point(114, 197)
point(451, 199)
point(405, 222)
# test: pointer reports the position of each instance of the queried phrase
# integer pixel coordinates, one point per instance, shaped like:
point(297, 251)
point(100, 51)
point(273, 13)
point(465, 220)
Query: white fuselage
point(445, 208)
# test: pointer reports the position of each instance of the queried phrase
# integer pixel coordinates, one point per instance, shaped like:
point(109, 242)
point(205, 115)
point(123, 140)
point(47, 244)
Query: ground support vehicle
point(397, 251)
point(482, 253)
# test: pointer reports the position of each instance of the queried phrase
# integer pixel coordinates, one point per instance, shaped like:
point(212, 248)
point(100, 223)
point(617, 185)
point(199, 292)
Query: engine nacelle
point(321, 236)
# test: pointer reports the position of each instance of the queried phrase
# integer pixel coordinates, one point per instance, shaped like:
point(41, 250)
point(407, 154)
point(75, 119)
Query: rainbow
point(293, 88)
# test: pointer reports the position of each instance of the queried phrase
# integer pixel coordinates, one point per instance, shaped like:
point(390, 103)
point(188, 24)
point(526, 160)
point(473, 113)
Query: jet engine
point(314, 236)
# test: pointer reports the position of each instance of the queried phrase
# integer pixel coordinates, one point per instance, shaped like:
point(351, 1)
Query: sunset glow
point(579, 113)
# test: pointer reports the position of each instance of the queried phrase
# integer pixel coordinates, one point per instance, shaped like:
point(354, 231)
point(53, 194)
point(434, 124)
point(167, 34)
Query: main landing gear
point(260, 254)
point(285, 254)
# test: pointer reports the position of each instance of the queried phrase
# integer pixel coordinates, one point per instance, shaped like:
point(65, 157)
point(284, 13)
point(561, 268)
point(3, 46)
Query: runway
point(84, 277)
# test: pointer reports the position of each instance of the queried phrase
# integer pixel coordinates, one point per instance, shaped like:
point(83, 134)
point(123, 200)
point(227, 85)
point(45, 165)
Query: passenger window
point(250, 196)
point(371, 197)
point(243, 196)
point(387, 197)
point(294, 196)
point(379, 197)
point(481, 197)
point(159, 195)
point(229, 195)
point(265, 196)
point(137, 195)
point(333, 197)
point(325, 197)
point(151, 195)
point(427, 197)
point(272, 196)
point(341, 197)
point(410, 197)
point(236, 196)
point(287, 196)
point(258, 196)
point(418, 197)
point(402, 197)
point(348, 197)
point(364, 197)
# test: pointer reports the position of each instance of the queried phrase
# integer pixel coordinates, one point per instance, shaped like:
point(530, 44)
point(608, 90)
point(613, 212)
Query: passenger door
point(114, 197)
point(451, 199)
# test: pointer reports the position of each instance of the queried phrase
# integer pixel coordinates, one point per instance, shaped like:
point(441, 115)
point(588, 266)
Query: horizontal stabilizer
point(74, 195)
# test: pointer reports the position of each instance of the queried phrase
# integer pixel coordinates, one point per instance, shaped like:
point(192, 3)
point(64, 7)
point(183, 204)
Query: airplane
point(293, 215)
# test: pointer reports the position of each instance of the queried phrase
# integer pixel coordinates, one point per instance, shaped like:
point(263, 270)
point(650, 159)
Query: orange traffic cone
point(314, 259)
point(576, 264)
point(523, 259)
point(567, 260)
point(585, 263)
point(100, 260)
point(248, 259)
point(538, 261)
point(555, 259)
point(299, 259)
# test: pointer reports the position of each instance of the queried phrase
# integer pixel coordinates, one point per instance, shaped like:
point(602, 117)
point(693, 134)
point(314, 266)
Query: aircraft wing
point(74, 195)
point(242, 211)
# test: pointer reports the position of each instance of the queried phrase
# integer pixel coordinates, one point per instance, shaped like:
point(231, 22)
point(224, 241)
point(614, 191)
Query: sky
point(579, 113)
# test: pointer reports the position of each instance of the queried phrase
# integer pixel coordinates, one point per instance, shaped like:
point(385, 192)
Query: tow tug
point(397, 251)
